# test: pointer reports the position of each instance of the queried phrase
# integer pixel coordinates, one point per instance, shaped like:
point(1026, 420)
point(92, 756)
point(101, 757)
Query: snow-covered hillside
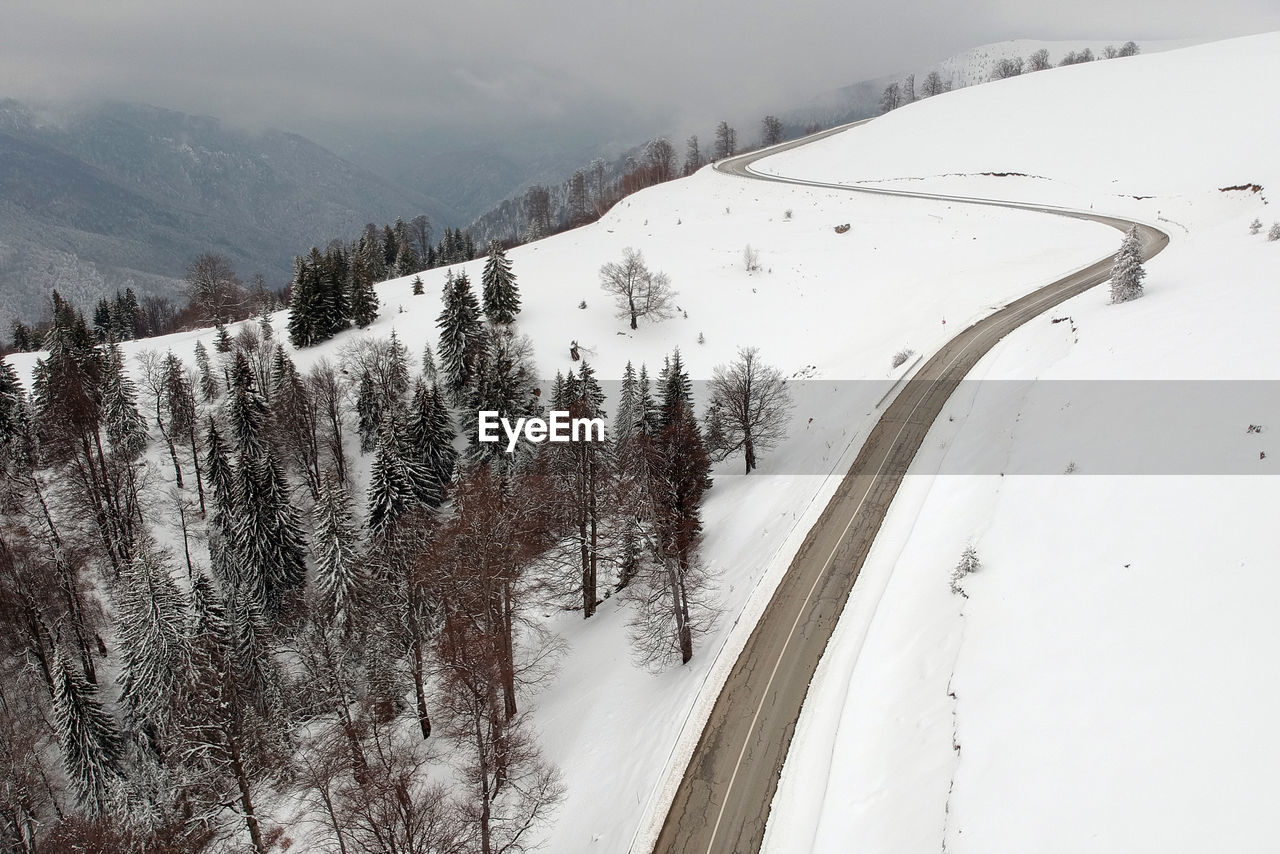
point(1105, 684)
point(967, 68)
point(824, 307)
point(829, 307)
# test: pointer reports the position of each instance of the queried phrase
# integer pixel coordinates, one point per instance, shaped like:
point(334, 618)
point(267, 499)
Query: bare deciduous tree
point(420, 230)
point(661, 157)
point(771, 131)
point(749, 406)
point(892, 98)
point(638, 291)
point(214, 289)
point(692, 155)
point(511, 789)
point(726, 141)
point(537, 211)
point(153, 382)
point(327, 391)
point(396, 807)
point(670, 602)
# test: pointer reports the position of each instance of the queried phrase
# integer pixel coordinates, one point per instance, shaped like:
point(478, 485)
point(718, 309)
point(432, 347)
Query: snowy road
point(723, 801)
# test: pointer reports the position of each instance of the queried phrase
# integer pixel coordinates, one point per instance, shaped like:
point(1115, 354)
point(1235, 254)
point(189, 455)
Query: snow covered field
point(824, 307)
point(1106, 684)
point(829, 307)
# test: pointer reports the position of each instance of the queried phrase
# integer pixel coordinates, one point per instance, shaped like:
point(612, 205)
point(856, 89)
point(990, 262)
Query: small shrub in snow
point(1274, 233)
point(582, 304)
point(750, 259)
point(702, 339)
point(900, 357)
point(1071, 468)
point(1255, 226)
point(786, 215)
point(968, 565)
point(843, 228)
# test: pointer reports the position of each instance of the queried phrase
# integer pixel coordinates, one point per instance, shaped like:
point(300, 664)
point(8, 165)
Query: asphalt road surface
point(723, 800)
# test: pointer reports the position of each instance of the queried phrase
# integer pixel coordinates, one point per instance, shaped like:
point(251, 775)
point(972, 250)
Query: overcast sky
point(482, 62)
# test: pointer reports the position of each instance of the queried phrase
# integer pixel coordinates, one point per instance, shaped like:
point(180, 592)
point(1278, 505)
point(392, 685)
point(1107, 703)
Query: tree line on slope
point(341, 276)
point(201, 622)
point(590, 192)
point(900, 93)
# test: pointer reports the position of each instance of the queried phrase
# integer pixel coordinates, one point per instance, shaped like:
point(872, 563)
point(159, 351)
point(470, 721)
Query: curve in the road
point(724, 797)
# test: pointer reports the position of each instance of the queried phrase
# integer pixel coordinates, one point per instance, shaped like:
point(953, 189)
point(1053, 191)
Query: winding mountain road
point(723, 801)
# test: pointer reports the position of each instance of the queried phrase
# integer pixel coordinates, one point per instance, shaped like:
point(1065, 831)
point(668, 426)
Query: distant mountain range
point(118, 195)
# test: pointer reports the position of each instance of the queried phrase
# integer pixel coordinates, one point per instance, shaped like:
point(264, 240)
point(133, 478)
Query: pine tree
point(364, 300)
point(429, 373)
point(24, 338)
point(265, 327)
point(129, 315)
point(460, 334)
point(390, 492)
point(333, 272)
point(287, 569)
point(306, 304)
point(247, 410)
point(442, 457)
point(12, 404)
point(126, 428)
point(218, 466)
point(340, 580)
point(1127, 272)
point(249, 649)
point(223, 522)
point(406, 260)
point(677, 469)
point(628, 427)
point(418, 289)
point(208, 615)
point(152, 631)
point(92, 749)
point(430, 436)
point(102, 316)
point(269, 544)
point(583, 481)
point(503, 383)
point(222, 339)
point(646, 408)
point(209, 388)
point(676, 389)
point(368, 413)
point(501, 296)
point(396, 384)
point(626, 421)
